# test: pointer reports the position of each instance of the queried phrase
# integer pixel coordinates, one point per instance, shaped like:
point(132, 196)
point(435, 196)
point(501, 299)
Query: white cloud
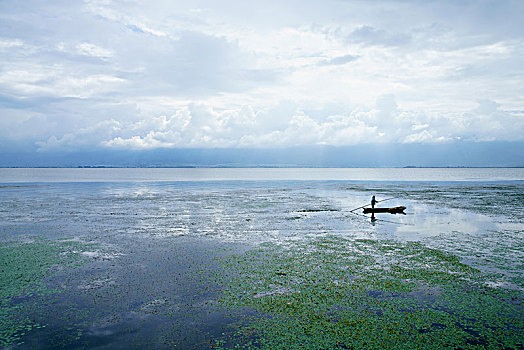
point(204, 126)
point(424, 136)
point(93, 50)
point(236, 74)
point(81, 138)
point(37, 81)
point(10, 43)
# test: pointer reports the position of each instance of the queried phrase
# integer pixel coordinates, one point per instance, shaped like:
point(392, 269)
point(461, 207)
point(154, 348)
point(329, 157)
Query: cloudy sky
point(258, 74)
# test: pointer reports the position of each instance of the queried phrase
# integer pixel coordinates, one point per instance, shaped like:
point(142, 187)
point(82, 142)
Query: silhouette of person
point(373, 201)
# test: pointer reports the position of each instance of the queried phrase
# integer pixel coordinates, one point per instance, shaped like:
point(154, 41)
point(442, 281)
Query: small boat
point(394, 210)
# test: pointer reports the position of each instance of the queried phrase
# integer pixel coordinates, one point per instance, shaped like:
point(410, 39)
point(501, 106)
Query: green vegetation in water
point(24, 267)
point(360, 294)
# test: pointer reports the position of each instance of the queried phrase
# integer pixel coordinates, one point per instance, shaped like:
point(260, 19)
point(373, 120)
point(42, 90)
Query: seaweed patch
point(338, 293)
point(24, 267)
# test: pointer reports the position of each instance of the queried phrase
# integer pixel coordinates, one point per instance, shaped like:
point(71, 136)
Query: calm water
point(153, 224)
point(12, 175)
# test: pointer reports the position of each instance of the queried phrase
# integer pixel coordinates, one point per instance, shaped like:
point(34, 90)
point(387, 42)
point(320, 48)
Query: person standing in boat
point(373, 201)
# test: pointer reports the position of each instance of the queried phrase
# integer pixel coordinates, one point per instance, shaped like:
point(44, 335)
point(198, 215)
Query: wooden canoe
point(394, 210)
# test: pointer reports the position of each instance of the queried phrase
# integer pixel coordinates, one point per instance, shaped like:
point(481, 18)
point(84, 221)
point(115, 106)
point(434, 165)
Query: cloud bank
point(147, 75)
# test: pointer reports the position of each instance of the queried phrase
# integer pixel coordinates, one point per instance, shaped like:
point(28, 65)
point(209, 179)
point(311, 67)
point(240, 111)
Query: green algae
point(356, 294)
point(24, 267)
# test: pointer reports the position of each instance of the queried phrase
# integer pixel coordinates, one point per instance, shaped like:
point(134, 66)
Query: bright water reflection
point(255, 211)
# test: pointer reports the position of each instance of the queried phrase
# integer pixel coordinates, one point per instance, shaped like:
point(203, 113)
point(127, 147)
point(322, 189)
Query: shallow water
point(147, 250)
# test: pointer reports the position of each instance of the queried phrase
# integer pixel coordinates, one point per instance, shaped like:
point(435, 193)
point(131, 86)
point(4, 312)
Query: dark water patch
point(149, 294)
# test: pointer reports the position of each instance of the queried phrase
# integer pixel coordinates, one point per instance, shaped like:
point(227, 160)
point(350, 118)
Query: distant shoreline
point(254, 167)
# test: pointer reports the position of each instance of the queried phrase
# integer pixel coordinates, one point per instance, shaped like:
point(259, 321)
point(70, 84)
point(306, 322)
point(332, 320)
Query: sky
point(144, 75)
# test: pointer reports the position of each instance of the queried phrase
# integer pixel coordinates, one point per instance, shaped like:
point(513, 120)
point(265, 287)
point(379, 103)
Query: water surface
point(13, 175)
point(144, 257)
